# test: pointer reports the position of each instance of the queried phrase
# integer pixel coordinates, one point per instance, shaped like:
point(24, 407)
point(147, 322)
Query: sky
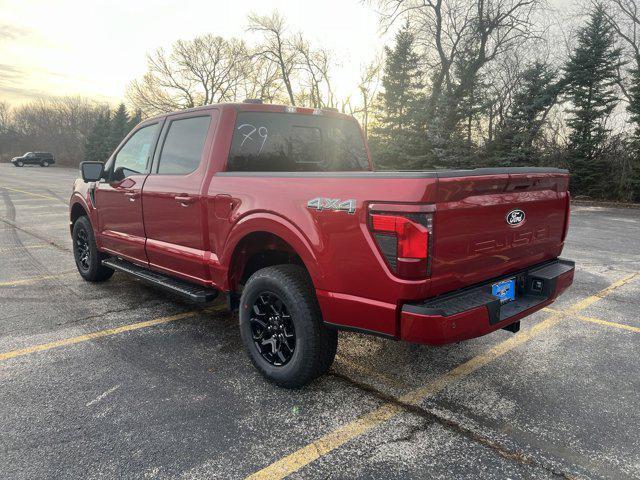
point(95, 48)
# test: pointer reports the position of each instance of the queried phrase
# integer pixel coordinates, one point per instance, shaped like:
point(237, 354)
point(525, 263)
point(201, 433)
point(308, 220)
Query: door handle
point(184, 200)
point(132, 196)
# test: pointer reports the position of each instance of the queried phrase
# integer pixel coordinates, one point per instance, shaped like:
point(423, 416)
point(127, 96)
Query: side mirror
point(91, 171)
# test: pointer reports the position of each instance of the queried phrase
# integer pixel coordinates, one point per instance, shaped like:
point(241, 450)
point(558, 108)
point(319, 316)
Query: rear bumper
point(473, 312)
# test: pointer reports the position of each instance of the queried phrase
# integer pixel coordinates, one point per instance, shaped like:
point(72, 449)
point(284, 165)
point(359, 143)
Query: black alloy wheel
point(82, 250)
point(85, 252)
point(272, 329)
point(281, 326)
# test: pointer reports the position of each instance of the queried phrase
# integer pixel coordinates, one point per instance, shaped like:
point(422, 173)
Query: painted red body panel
point(120, 226)
point(174, 216)
point(355, 287)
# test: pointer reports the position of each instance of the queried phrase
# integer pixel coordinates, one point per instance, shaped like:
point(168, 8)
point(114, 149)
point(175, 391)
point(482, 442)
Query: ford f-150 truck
point(279, 208)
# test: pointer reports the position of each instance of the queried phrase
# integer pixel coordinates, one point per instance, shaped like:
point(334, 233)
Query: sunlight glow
point(95, 48)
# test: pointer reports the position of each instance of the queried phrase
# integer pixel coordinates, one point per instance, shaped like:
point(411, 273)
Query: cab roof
point(259, 107)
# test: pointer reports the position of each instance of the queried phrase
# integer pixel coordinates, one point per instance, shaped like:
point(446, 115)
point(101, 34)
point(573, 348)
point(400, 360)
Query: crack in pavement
point(39, 236)
point(428, 414)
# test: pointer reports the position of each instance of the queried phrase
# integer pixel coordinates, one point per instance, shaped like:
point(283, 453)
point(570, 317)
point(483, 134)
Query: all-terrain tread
point(321, 342)
point(97, 272)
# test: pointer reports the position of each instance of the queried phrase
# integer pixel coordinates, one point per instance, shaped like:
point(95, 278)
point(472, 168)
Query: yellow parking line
point(40, 206)
point(31, 193)
point(62, 223)
point(63, 214)
point(28, 247)
point(621, 326)
point(338, 437)
point(102, 333)
point(30, 231)
point(27, 281)
point(599, 321)
point(603, 293)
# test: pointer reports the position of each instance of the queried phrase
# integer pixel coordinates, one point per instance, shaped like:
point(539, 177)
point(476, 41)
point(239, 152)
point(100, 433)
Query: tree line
point(461, 85)
point(58, 125)
point(73, 128)
point(462, 89)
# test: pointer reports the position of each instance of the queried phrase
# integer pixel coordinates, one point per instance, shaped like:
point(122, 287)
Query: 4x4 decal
point(334, 204)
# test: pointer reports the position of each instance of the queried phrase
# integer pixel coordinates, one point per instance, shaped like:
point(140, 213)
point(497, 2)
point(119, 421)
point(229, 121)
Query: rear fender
point(280, 227)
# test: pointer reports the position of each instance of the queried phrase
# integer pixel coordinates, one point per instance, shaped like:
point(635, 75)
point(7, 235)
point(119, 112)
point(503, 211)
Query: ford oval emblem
point(515, 217)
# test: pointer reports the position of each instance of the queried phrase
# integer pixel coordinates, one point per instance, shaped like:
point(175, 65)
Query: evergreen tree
point(398, 137)
point(634, 116)
point(135, 119)
point(591, 75)
point(634, 104)
point(97, 145)
point(514, 144)
point(119, 127)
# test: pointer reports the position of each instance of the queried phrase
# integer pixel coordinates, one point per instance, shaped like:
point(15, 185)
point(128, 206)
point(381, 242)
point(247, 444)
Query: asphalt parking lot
point(119, 380)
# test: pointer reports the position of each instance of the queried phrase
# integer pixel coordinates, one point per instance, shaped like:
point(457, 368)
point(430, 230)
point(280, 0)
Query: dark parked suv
point(44, 159)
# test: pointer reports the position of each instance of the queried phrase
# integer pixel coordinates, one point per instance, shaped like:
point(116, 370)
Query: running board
point(191, 291)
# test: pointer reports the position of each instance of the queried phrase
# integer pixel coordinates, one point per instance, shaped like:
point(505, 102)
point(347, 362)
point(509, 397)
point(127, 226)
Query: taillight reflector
point(567, 217)
point(408, 255)
point(413, 238)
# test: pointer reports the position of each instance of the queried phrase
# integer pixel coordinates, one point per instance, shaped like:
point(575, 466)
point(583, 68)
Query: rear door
point(118, 198)
point(174, 210)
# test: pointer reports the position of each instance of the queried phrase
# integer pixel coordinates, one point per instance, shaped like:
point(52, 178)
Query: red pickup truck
point(279, 208)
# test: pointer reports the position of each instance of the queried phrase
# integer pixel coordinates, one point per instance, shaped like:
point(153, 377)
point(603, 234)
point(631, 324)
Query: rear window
point(183, 145)
point(286, 142)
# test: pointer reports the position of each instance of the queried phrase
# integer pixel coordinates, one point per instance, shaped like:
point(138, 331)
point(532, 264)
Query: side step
point(195, 293)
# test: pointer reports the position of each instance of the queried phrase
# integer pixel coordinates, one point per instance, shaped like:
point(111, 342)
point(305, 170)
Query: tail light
point(567, 217)
point(403, 234)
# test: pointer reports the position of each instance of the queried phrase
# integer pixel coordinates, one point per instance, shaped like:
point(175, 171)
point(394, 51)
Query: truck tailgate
point(473, 239)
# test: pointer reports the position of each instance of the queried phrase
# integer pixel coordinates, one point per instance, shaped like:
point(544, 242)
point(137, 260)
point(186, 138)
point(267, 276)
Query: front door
point(174, 212)
point(119, 200)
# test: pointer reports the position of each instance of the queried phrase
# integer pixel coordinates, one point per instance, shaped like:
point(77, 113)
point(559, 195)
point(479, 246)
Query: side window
point(135, 155)
point(183, 145)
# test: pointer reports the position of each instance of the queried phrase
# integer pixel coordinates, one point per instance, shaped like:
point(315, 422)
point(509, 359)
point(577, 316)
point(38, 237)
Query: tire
point(20, 164)
point(45, 163)
point(85, 252)
point(314, 345)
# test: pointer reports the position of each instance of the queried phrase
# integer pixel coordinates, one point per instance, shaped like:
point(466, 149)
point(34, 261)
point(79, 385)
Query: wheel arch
point(266, 240)
point(77, 210)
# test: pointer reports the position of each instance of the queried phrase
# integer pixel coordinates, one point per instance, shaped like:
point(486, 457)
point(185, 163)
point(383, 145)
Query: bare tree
point(276, 48)
point(624, 15)
point(459, 39)
point(207, 69)
point(312, 78)
point(6, 133)
point(59, 125)
point(263, 81)
point(368, 88)
point(505, 74)
point(314, 74)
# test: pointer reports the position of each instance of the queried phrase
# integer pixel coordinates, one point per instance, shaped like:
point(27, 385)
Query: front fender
point(80, 196)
